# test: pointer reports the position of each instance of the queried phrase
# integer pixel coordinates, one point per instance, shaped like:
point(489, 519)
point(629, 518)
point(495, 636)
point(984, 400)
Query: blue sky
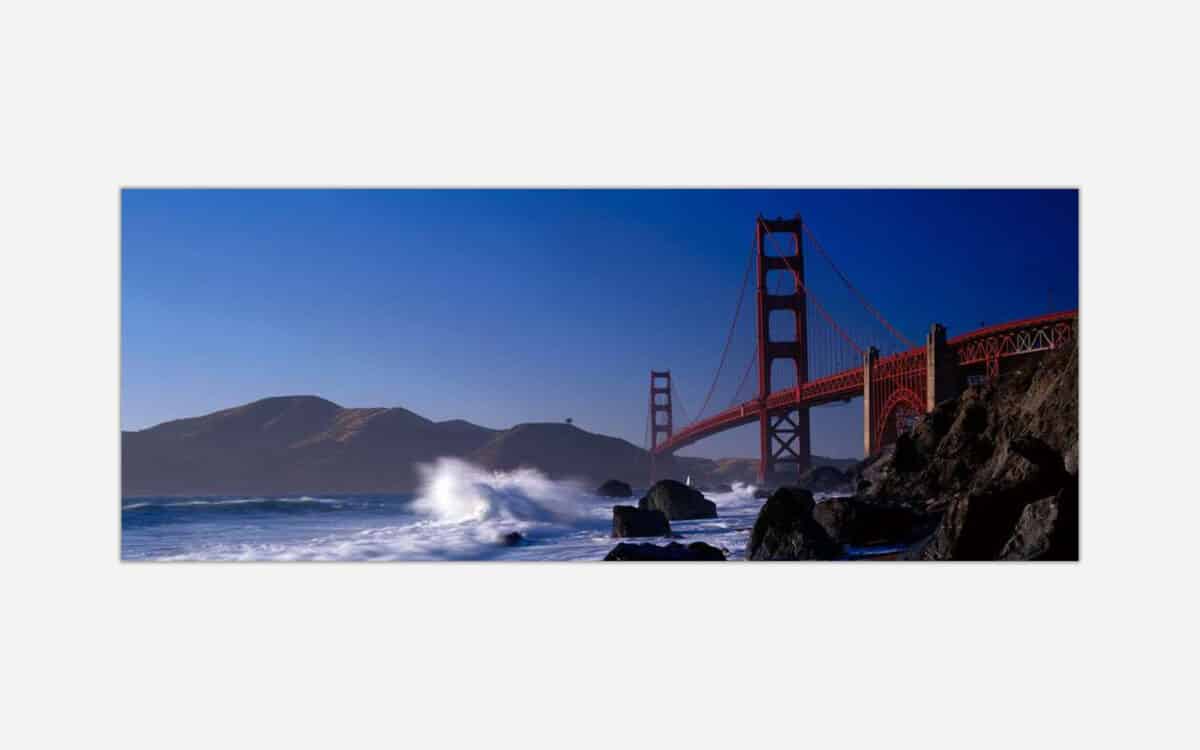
point(509, 306)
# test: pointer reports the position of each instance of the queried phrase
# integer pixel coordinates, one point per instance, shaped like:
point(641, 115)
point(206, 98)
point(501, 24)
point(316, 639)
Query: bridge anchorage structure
point(837, 352)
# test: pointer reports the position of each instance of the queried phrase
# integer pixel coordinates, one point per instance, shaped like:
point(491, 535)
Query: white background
point(100, 95)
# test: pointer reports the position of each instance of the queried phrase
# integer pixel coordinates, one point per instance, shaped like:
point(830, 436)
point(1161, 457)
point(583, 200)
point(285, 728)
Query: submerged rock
point(678, 501)
point(614, 488)
point(673, 552)
point(785, 530)
point(631, 521)
point(511, 539)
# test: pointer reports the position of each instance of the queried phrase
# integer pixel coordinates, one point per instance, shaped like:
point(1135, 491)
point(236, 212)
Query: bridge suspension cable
point(729, 337)
point(862, 300)
point(675, 399)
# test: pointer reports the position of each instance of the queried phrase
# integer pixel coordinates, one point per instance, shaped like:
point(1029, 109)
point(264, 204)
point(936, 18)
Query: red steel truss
point(989, 345)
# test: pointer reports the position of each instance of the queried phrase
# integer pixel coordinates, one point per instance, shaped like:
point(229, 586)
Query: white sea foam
point(454, 491)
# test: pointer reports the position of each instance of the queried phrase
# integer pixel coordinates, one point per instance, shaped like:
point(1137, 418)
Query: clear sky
point(509, 306)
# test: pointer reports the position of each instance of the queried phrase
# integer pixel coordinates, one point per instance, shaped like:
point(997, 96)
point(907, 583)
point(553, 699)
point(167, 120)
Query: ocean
point(461, 512)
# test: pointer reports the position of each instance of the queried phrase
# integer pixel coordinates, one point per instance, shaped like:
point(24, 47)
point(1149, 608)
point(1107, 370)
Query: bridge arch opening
point(898, 415)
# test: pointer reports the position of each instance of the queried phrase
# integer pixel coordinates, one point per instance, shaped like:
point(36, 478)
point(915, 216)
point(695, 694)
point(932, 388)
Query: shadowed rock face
point(631, 521)
point(1048, 529)
point(673, 552)
point(785, 530)
point(861, 523)
point(678, 501)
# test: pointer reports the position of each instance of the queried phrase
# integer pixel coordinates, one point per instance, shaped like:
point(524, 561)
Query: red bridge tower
point(784, 435)
point(660, 385)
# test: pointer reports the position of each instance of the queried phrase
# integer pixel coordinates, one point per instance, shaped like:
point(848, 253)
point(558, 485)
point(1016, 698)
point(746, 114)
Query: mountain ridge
point(307, 444)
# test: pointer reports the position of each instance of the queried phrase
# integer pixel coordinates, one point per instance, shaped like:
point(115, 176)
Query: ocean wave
point(454, 491)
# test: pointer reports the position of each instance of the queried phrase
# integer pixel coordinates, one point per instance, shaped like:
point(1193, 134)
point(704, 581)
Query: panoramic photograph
point(599, 375)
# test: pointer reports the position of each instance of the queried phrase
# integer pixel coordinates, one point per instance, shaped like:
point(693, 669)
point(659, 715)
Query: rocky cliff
point(1000, 463)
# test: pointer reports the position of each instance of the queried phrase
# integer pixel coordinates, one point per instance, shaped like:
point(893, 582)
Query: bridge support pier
point(941, 368)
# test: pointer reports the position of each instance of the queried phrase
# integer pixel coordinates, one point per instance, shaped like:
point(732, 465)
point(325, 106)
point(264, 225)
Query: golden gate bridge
point(840, 347)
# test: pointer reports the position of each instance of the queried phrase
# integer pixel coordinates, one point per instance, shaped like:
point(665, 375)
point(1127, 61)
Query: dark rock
point(785, 530)
point(824, 479)
point(996, 522)
point(631, 521)
point(861, 523)
point(614, 488)
point(511, 539)
point(762, 492)
point(678, 501)
point(670, 553)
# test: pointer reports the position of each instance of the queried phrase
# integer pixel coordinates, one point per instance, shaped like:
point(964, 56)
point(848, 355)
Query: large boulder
point(673, 552)
point(785, 530)
point(678, 501)
point(861, 523)
point(631, 521)
point(614, 488)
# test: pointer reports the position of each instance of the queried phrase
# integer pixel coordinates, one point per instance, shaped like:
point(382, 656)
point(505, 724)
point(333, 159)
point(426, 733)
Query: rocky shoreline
point(992, 474)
